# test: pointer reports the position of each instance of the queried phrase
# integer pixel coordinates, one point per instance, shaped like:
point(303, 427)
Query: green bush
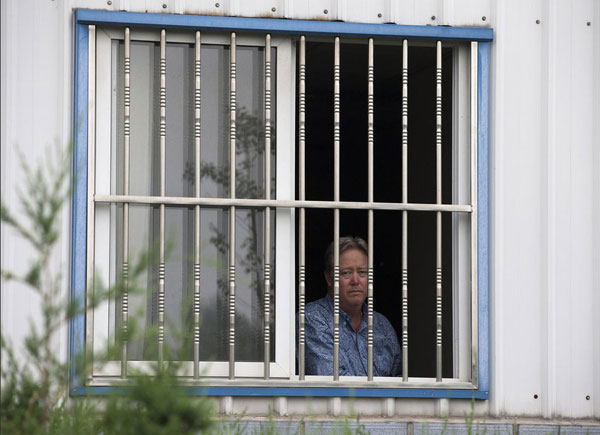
point(34, 396)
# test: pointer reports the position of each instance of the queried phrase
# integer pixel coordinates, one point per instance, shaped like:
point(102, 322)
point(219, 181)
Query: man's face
point(353, 280)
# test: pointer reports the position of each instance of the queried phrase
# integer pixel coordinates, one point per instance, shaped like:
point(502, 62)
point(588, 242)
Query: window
point(164, 102)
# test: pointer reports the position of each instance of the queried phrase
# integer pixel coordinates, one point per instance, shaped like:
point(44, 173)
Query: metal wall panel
point(520, 356)
point(543, 133)
point(544, 182)
point(424, 12)
point(569, 190)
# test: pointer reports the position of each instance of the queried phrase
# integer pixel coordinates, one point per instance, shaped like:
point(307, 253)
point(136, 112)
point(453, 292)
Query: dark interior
point(387, 181)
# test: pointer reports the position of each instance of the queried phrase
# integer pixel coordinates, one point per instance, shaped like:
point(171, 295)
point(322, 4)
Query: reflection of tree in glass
point(249, 176)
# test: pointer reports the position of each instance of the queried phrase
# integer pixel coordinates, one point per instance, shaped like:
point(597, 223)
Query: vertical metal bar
point(370, 140)
point(474, 279)
point(267, 288)
point(126, 144)
point(404, 213)
point(302, 192)
point(91, 182)
point(197, 135)
point(232, 137)
point(438, 248)
point(163, 132)
point(336, 212)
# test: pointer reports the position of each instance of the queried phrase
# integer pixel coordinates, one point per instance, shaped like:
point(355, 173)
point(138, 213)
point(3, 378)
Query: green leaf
point(33, 275)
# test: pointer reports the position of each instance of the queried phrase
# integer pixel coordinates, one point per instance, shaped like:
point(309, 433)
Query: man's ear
point(328, 279)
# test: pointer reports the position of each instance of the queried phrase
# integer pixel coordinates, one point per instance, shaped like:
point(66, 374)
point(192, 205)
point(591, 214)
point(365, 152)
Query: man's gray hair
point(346, 243)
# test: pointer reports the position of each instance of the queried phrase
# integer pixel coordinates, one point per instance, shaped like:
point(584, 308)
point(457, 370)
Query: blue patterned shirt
point(387, 354)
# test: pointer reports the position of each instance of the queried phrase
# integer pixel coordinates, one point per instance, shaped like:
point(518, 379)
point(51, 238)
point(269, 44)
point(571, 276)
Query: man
point(387, 356)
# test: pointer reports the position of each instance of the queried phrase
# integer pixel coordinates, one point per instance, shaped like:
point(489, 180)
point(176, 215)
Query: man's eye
point(362, 273)
point(346, 274)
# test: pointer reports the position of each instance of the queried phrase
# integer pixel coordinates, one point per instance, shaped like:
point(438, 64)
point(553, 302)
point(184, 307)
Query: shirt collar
point(343, 314)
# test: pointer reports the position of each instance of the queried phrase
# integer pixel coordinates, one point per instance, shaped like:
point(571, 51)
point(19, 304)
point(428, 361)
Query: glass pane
point(250, 123)
point(179, 226)
point(250, 233)
point(144, 104)
point(180, 151)
point(214, 121)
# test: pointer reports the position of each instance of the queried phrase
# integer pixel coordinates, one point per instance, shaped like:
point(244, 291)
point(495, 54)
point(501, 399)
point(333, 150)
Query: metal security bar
point(370, 141)
point(126, 145)
point(197, 136)
point(280, 203)
point(438, 243)
point(163, 156)
point(267, 288)
point(302, 194)
point(232, 137)
point(404, 213)
point(336, 211)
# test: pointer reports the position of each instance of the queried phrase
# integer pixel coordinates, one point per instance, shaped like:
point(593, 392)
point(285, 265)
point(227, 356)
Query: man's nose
point(354, 278)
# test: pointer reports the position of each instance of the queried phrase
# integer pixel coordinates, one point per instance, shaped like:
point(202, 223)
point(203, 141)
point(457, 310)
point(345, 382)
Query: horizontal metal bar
point(279, 203)
point(341, 384)
point(291, 27)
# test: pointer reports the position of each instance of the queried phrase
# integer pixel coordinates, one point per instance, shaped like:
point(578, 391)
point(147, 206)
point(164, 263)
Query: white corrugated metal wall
point(545, 176)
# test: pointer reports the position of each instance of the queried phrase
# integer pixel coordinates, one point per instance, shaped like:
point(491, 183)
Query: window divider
point(474, 218)
point(91, 181)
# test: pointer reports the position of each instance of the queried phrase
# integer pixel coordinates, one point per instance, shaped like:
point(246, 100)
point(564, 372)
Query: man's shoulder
point(380, 321)
point(319, 304)
point(320, 307)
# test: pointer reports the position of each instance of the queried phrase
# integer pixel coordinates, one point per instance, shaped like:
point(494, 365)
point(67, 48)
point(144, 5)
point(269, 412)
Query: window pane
point(179, 229)
point(180, 150)
point(144, 139)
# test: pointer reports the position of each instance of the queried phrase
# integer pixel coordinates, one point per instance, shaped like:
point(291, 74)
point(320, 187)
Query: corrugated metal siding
point(426, 12)
point(545, 182)
point(545, 327)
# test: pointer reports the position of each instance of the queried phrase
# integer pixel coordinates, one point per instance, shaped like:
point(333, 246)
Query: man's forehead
point(353, 256)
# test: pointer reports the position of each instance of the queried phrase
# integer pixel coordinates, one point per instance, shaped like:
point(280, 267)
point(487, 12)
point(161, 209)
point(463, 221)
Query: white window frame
point(284, 362)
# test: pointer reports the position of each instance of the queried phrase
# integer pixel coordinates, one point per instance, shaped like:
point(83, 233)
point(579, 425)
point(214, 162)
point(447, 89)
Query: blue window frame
point(483, 36)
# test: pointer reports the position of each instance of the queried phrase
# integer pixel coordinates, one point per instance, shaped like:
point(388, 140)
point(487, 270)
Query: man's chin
point(357, 297)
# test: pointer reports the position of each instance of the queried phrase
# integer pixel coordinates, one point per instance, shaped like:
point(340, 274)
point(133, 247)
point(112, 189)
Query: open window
point(387, 140)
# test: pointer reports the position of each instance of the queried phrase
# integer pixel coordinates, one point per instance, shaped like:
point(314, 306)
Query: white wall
point(545, 208)
point(545, 173)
